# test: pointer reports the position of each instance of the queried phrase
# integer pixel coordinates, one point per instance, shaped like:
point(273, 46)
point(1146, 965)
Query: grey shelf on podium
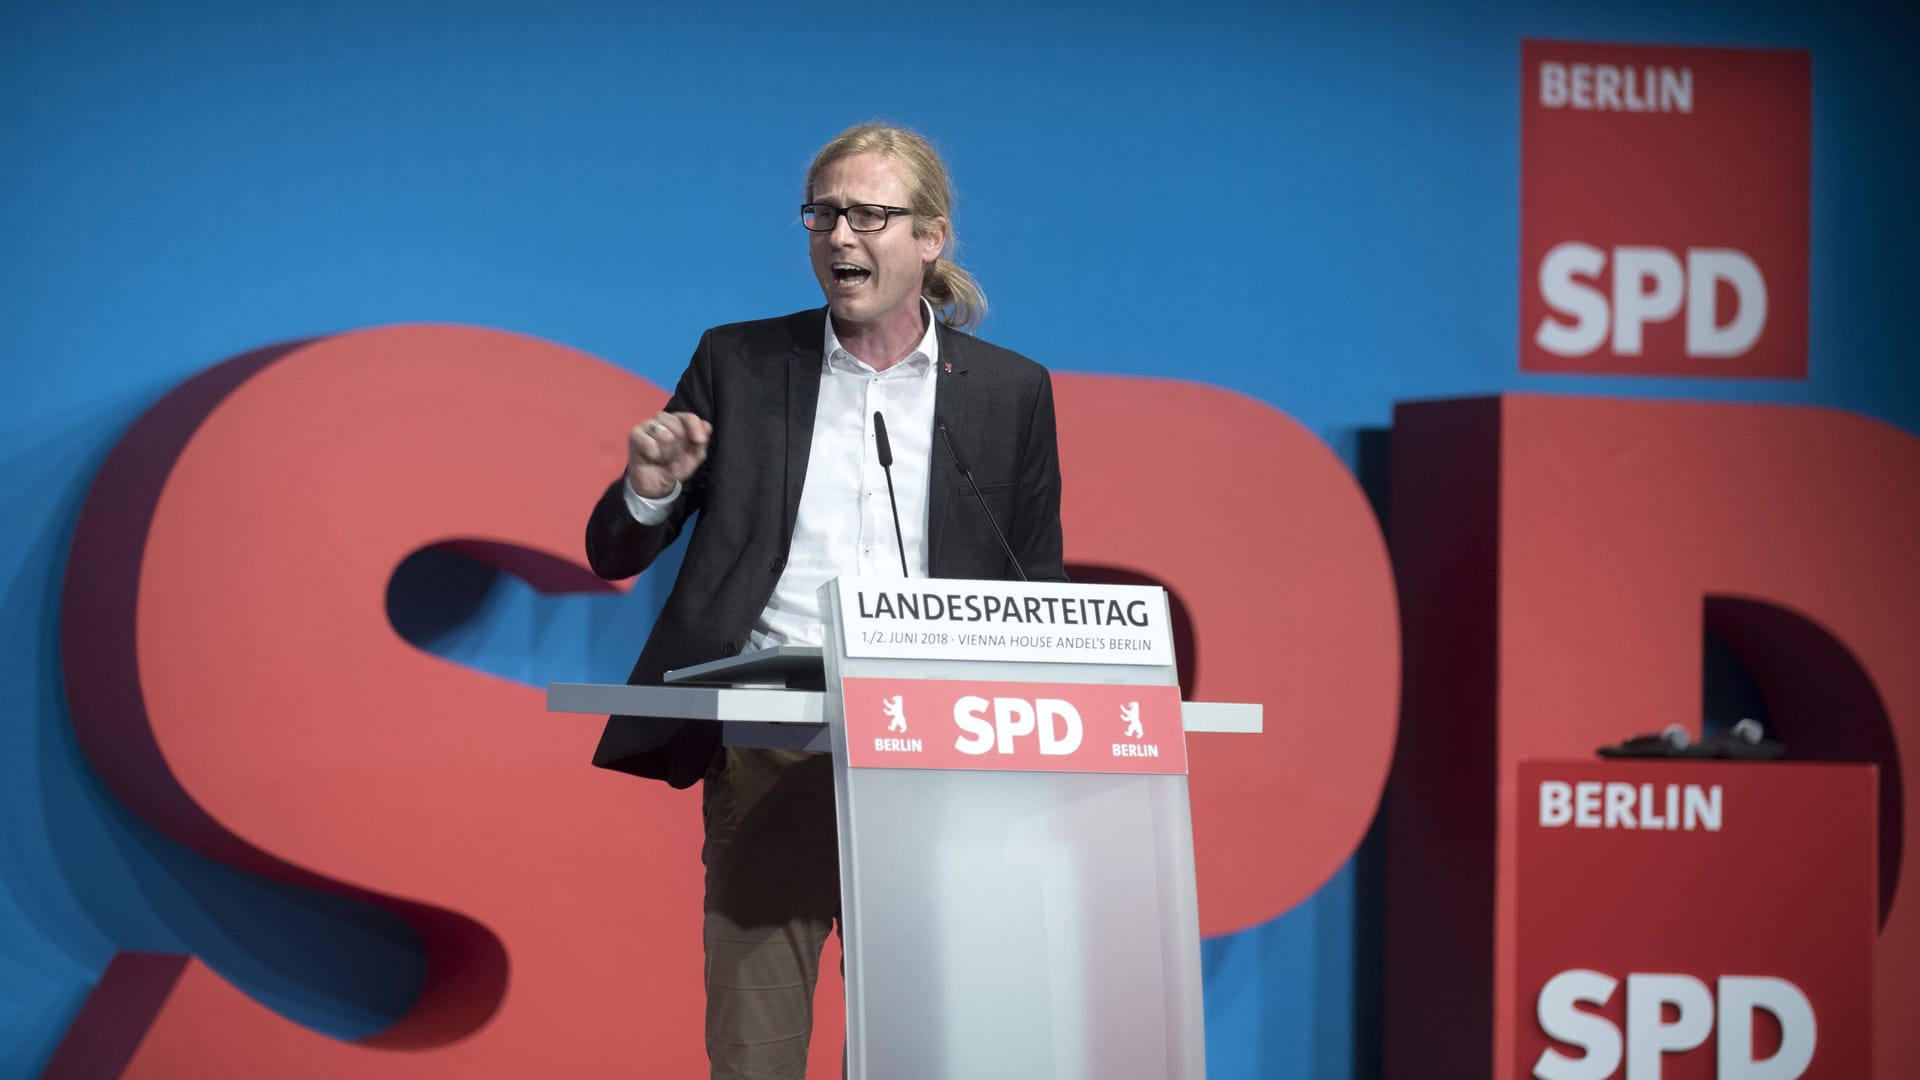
point(766, 714)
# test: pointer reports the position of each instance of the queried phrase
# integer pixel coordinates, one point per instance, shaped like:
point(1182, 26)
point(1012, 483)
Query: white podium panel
point(1020, 924)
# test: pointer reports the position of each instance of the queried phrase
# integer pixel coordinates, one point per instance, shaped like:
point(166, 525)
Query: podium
point(1016, 854)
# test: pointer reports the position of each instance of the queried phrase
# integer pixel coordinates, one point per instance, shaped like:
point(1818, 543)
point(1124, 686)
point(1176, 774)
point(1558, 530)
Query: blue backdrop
point(1313, 204)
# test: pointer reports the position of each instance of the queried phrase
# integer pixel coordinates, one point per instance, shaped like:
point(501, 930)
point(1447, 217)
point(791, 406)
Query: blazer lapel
point(949, 402)
point(803, 399)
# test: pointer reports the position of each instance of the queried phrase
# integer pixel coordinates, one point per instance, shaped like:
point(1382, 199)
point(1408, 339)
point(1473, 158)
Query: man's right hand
point(665, 451)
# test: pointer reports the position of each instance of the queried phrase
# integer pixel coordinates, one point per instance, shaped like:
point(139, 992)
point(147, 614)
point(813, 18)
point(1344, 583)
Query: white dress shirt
point(845, 525)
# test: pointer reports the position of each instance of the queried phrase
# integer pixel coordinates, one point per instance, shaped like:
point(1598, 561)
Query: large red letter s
point(234, 677)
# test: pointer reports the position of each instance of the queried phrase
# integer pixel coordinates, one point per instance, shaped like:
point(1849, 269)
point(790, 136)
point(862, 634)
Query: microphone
point(1745, 741)
point(1672, 742)
point(960, 463)
point(886, 465)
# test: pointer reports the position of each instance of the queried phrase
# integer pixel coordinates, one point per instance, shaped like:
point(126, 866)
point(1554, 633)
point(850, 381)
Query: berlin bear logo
point(895, 708)
point(1130, 712)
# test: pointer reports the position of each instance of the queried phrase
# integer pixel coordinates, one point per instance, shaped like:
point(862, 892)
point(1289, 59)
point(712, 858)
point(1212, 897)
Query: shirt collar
point(921, 359)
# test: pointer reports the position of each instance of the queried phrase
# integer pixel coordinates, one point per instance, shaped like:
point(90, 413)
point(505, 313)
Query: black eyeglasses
point(865, 217)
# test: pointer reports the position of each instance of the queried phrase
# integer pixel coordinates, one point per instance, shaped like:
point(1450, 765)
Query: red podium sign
point(1695, 919)
point(1029, 727)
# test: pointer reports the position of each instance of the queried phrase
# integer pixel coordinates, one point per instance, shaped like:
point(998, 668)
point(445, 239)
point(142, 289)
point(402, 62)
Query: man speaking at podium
point(772, 438)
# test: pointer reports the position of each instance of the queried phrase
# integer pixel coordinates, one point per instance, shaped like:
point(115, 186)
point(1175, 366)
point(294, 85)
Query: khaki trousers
point(773, 896)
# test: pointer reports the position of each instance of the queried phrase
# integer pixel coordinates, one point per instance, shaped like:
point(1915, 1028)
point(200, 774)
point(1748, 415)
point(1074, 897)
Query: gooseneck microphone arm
point(886, 466)
point(960, 463)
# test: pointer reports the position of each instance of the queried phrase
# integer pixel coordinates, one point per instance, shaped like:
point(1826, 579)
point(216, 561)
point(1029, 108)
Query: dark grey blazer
point(758, 383)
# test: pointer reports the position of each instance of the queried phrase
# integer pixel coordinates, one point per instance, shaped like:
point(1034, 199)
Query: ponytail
point(957, 299)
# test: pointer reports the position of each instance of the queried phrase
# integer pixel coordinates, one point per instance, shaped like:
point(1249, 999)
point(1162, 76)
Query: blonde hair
point(957, 299)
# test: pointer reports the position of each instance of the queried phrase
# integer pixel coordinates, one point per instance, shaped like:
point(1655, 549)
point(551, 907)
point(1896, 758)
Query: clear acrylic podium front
point(1014, 924)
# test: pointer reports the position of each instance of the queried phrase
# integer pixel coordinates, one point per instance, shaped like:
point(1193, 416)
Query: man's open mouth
point(849, 274)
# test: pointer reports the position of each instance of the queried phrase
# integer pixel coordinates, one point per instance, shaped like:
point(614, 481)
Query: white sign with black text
point(1040, 622)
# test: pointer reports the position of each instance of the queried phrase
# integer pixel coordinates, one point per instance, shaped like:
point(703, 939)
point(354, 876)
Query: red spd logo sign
point(1689, 920)
point(1026, 727)
point(1663, 220)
